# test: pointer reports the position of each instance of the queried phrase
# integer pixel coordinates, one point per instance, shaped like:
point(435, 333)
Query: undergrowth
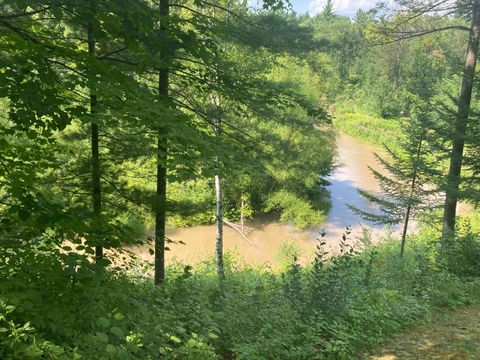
point(57, 305)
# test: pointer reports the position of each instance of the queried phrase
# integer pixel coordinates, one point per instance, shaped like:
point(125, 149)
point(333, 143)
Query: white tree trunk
point(219, 218)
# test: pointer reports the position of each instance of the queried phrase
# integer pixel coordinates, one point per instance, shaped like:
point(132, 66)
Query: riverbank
point(377, 132)
point(263, 243)
point(367, 127)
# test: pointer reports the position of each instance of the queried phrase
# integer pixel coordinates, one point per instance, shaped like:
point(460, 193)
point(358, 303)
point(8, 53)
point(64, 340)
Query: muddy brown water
point(267, 235)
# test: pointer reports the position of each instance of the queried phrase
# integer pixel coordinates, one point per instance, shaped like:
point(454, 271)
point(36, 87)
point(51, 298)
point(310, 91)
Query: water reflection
point(353, 159)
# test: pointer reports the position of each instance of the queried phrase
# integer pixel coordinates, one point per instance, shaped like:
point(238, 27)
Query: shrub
point(295, 210)
point(332, 309)
point(22, 341)
point(460, 255)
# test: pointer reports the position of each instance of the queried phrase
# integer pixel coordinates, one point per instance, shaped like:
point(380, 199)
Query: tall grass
point(373, 129)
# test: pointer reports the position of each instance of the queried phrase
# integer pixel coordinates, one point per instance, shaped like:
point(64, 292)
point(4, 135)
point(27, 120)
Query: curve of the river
point(266, 235)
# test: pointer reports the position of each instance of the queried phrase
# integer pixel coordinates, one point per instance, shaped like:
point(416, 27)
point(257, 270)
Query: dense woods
point(121, 118)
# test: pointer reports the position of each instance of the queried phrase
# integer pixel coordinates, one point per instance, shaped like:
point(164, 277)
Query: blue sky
point(342, 7)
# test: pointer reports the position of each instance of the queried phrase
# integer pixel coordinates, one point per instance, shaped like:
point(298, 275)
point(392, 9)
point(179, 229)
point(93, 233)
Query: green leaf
point(76, 240)
point(115, 330)
point(102, 337)
point(181, 329)
point(111, 349)
point(22, 3)
point(118, 316)
point(191, 342)
point(212, 335)
point(57, 12)
point(103, 322)
point(175, 339)
point(23, 214)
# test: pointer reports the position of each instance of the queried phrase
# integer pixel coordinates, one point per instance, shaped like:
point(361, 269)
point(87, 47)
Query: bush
point(295, 210)
point(460, 255)
point(22, 341)
point(332, 309)
point(390, 109)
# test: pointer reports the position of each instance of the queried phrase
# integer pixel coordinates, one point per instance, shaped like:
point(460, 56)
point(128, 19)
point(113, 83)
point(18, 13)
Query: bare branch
point(406, 35)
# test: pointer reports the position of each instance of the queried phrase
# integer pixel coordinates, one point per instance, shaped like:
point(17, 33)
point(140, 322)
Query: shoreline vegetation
point(367, 127)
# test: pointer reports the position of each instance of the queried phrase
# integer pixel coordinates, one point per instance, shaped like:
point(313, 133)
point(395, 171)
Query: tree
point(461, 123)
point(219, 202)
point(162, 138)
point(404, 191)
point(407, 180)
point(404, 27)
point(135, 95)
point(328, 11)
point(96, 172)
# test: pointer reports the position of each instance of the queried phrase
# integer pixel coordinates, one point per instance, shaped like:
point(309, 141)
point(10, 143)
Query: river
point(266, 235)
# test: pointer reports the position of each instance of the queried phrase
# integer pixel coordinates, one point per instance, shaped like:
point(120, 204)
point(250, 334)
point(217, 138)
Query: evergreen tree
point(328, 12)
point(404, 191)
point(403, 28)
point(405, 180)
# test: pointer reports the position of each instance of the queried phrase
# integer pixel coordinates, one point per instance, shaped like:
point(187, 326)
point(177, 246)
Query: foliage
point(22, 341)
point(373, 129)
point(288, 253)
point(460, 255)
point(68, 67)
point(331, 309)
point(295, 210)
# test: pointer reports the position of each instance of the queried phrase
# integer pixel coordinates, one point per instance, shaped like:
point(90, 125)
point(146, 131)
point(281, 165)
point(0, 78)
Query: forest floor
point(450, 335)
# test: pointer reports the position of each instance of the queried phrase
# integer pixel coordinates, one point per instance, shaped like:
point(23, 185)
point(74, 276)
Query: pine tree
point(404, 191)
point(328, 10)
point(407, 186)
point(401, 29)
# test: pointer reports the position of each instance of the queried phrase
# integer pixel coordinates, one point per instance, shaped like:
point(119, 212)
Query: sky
point(342, 7)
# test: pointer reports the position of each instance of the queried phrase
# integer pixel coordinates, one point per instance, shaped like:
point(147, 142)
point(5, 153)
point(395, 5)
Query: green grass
point(370, 128)
point(452, 334)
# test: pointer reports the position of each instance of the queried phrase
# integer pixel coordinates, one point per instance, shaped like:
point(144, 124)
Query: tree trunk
point(219, 217)
point(162, 151)
point(412, 191)
point(461, 121)
point(160, 207)
point(96, 186)
point(218, 193)
point(405, 229)
point(242, 216)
